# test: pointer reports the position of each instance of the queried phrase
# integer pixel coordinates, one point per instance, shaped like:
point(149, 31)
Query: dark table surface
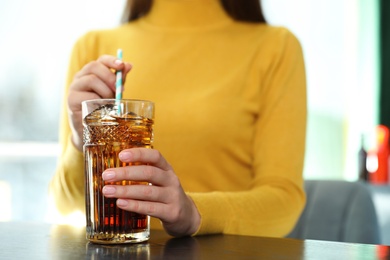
point(43, 241)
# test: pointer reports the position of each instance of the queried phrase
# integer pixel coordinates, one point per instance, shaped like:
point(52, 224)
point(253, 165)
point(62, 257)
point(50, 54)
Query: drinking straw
point(118, 84)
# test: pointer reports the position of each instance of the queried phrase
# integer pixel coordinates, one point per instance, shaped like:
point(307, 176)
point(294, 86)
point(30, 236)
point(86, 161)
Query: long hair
point(241, 10)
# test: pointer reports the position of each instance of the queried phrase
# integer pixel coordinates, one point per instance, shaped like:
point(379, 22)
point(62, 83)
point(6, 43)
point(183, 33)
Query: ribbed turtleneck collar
point(181, 14)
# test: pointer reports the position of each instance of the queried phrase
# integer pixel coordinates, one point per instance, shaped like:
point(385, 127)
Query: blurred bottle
point(378, 158)
point(362, 161)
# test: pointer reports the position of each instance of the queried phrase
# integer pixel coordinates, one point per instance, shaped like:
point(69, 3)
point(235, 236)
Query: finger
point(111, 62)
point(141, 173)
point(104, 68)
point(136, 192)
point(141, 197)
point(92, 83)
point(86, 88)
point(152, 209)
point(96, 70)
point(145, 156)
point(127, 67)
point(126, 70)
point(162, 211)
point(115, 64)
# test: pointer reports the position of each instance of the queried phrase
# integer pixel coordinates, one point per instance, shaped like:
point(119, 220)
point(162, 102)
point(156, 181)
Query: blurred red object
point(378, 158)
point(382, 252)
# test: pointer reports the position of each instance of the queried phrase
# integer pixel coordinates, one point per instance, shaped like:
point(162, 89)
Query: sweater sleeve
point(276, 196)
point(66, 188)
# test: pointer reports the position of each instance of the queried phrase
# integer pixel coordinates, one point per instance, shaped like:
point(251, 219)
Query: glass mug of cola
point(111, 126)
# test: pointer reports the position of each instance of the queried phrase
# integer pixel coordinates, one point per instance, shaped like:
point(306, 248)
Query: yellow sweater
point(230, 113)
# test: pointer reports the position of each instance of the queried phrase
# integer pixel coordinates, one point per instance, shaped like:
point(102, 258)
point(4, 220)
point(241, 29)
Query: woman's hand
point(164, 199)
point(95, 80)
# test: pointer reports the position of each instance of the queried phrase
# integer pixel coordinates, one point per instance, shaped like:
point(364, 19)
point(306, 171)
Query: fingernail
point(118, 62)
point(121, 203)
point(125, 156)
point(108, 190)
point(108, 175)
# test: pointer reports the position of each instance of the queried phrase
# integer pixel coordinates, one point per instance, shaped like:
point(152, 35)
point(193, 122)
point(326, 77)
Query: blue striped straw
point(118, 84)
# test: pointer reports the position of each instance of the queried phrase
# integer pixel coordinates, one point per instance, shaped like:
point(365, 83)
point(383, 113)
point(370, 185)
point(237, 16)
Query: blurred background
point(341, 43)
